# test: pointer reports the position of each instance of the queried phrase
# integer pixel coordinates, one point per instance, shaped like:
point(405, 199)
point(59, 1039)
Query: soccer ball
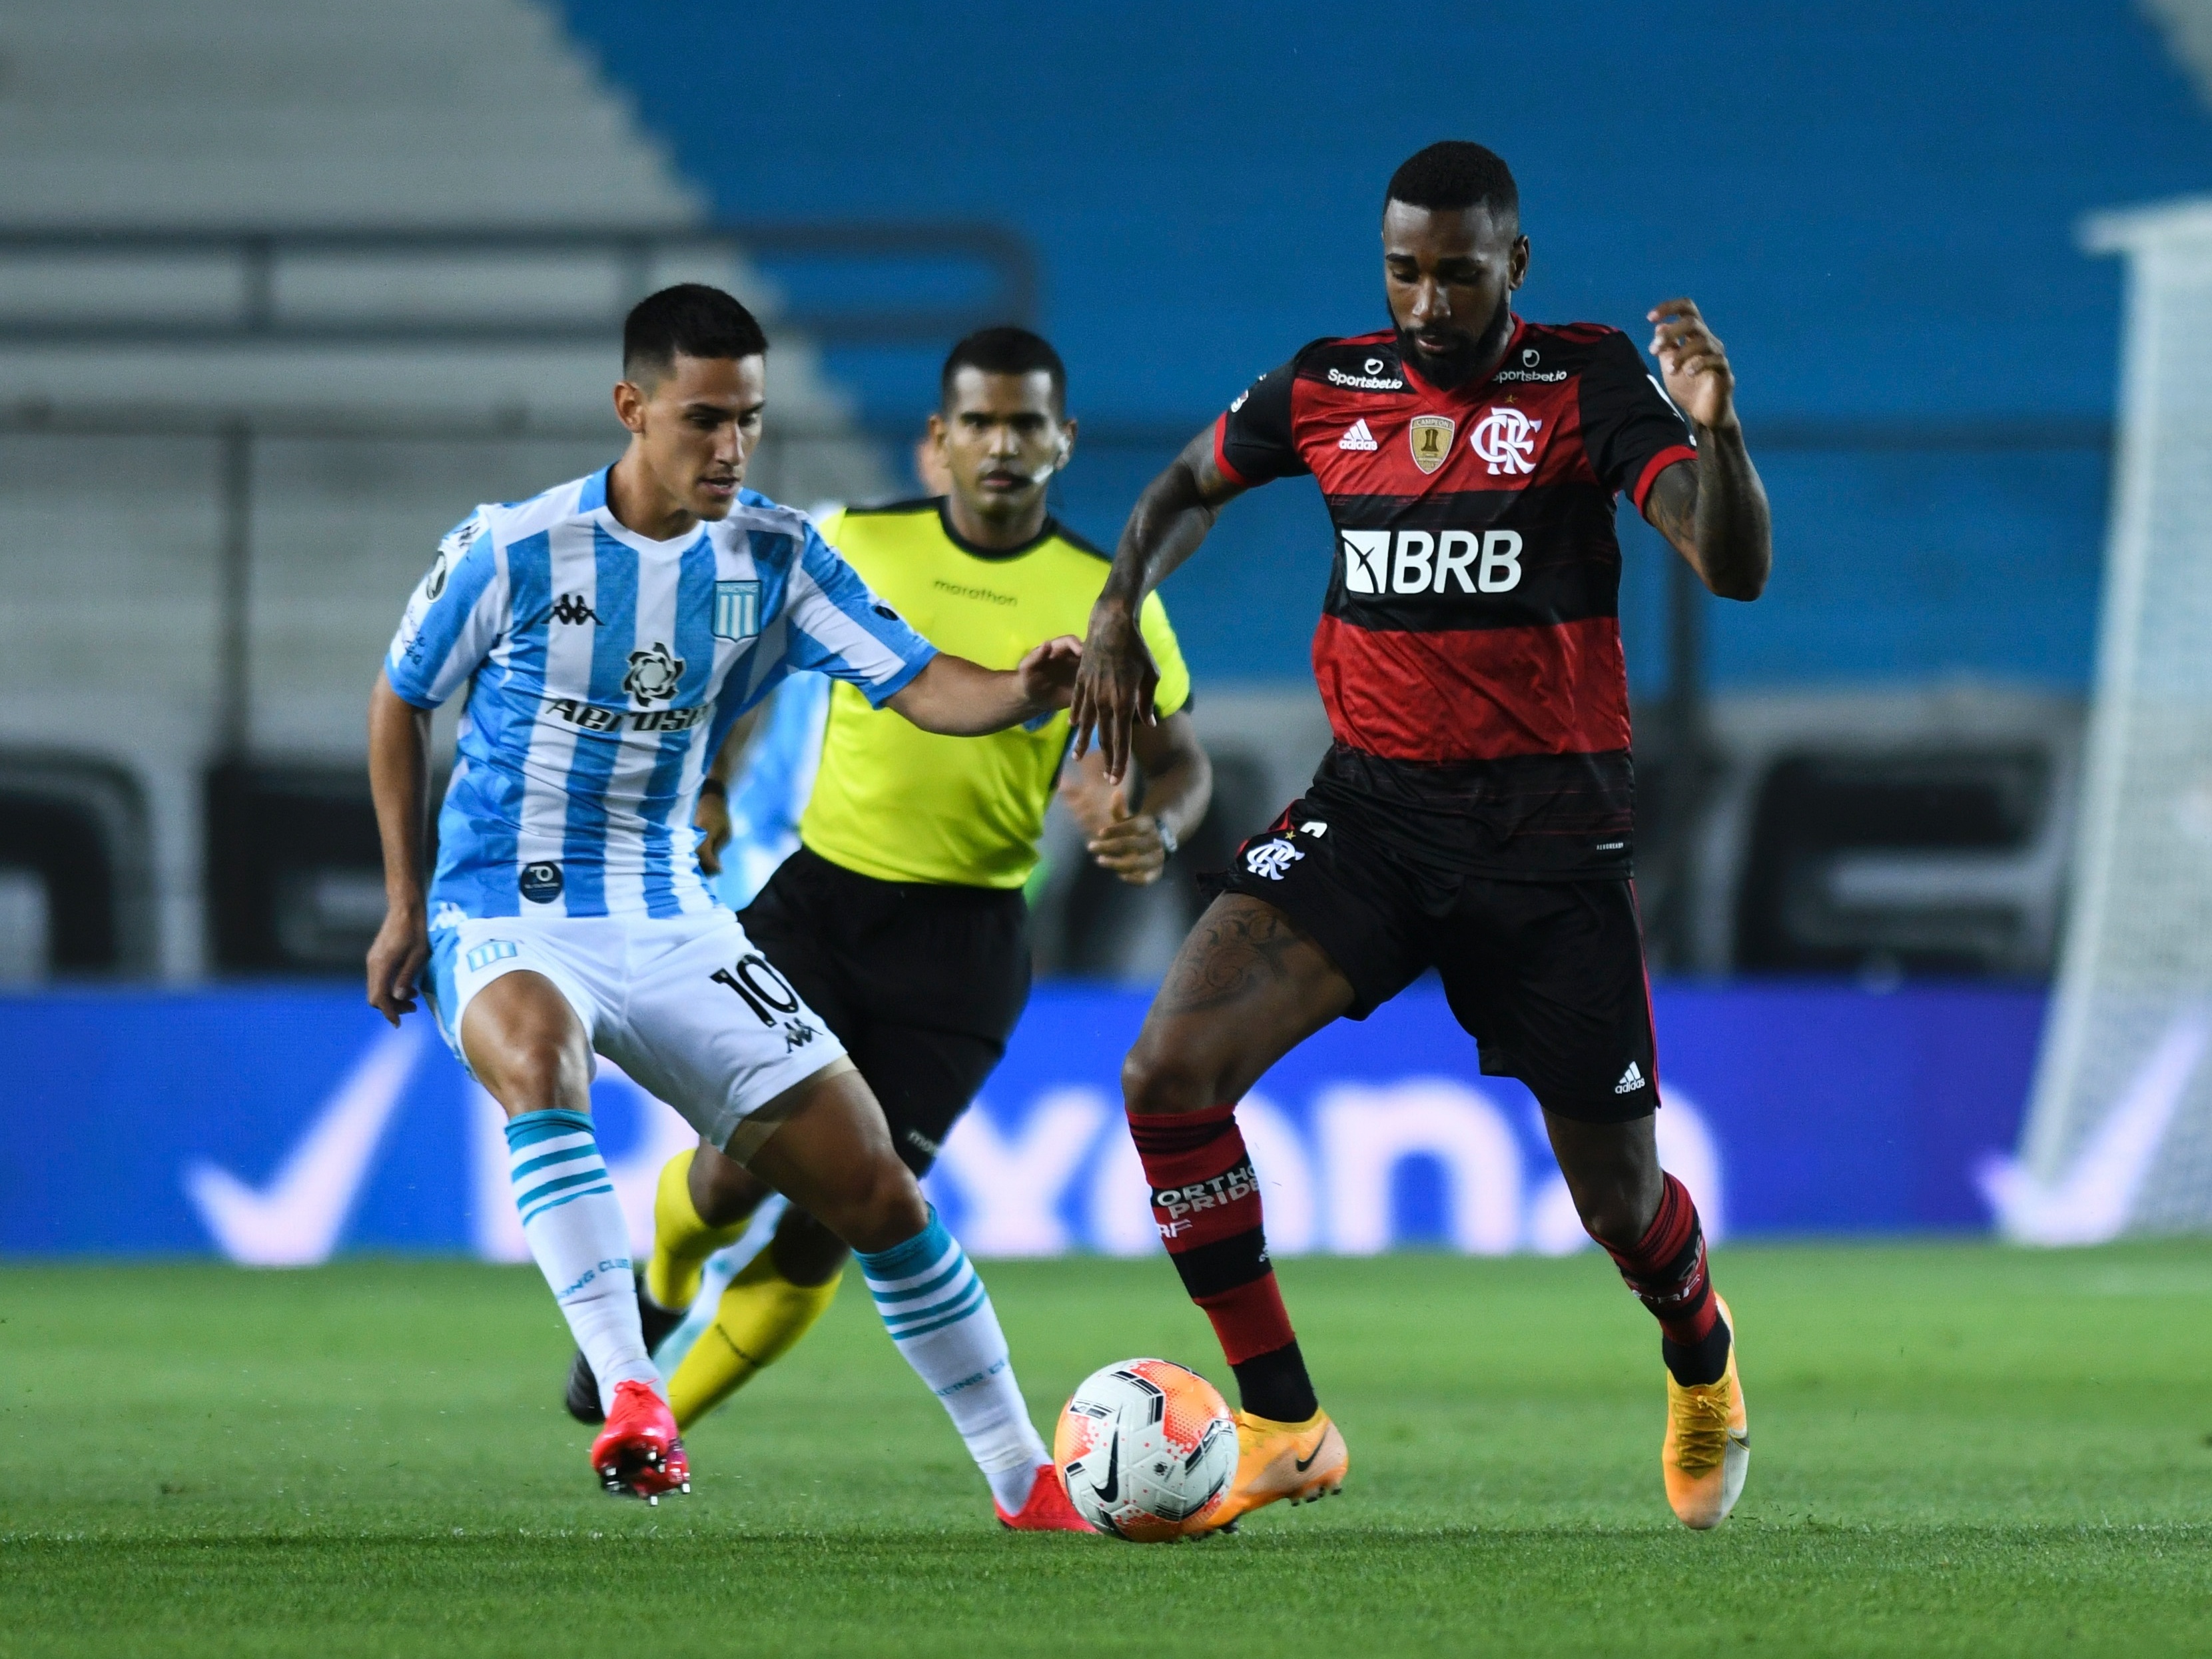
point(1146, 1450)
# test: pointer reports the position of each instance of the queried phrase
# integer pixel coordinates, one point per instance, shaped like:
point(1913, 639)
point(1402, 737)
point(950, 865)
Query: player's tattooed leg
point(1240, 949)
point(1246, 988)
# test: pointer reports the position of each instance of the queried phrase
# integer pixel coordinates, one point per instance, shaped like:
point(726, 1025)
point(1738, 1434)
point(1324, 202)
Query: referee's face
point(1449, 274)
point(1000, 440)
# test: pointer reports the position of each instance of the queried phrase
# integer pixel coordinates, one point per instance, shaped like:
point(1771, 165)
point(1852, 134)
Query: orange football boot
point(1707, 1450)
point(639, 1453)
point(1046, 1509)
point(1301, 1461)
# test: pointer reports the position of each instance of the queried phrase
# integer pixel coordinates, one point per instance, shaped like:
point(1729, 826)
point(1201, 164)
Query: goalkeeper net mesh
point(2120, 1130)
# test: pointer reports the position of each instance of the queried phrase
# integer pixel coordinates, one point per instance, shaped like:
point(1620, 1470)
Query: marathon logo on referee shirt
point(1231, 1187)
point(596, 717)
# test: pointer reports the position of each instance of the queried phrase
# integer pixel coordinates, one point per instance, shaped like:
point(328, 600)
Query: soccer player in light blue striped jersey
point(608, 632)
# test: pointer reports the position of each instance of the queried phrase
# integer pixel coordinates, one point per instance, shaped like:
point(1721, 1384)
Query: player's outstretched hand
point(1114, 689)
point(1695, 363)
point(1049, 672)
point(395, 962)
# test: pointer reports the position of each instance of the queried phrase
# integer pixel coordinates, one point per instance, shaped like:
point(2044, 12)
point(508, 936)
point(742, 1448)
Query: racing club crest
point(1430, 438)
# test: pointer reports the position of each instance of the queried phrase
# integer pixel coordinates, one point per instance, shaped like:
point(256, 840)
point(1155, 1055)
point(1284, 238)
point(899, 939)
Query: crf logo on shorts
point(1271, 858)
point(1506, 439)
point(1432, 562)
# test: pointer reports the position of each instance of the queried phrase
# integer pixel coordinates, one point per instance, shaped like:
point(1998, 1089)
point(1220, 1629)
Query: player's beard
point(1450, 368)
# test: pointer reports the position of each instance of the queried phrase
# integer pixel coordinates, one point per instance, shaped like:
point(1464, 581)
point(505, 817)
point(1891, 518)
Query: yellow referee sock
point(681, 1241)
point(760, 1318)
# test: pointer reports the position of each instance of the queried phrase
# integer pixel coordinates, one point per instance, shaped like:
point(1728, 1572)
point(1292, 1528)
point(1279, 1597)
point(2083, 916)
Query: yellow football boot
point(1301, 1461)
point(1707, 1451)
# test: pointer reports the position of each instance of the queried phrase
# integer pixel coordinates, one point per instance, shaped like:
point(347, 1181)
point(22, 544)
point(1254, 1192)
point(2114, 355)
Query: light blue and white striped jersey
point(604, 670)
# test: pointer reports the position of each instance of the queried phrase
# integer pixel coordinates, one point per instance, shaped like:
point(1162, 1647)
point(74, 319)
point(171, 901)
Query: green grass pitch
point(1957, 1450)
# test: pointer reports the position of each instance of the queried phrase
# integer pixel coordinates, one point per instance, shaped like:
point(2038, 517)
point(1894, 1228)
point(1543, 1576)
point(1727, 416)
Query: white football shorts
point(685, 1004)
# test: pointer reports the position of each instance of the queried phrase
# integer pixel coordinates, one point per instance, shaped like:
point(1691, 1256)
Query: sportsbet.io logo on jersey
point(1382, 562)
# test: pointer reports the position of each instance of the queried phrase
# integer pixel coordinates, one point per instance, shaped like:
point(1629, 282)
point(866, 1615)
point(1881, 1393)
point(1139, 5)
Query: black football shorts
point(921, 983)
point(1546, 976)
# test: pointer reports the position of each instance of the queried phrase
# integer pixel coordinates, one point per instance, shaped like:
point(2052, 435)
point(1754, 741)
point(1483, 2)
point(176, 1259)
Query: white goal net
point(2120, 1130)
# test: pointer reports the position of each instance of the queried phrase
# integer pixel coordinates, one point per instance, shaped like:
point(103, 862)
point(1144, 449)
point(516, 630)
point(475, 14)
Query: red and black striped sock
point(1667, 1271)
point(1207, 1201)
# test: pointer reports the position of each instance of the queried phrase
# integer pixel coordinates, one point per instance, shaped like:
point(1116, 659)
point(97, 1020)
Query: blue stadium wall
point(1876, 206)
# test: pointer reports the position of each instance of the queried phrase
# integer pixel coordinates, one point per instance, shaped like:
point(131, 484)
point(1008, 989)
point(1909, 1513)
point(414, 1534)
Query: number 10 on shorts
point(765, 992)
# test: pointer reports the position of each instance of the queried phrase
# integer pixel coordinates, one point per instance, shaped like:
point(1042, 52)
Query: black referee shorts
point(922, 983)
point(1547, 976)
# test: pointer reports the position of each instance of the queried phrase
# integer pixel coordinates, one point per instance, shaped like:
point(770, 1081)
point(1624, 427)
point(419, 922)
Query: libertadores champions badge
point(1430, 438)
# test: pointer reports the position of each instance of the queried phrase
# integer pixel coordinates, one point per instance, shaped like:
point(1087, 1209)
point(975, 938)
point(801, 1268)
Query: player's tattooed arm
point(1714, 510)
point(1114, 689)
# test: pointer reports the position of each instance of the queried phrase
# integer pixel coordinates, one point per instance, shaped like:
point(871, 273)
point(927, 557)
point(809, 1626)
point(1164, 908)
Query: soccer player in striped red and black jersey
point(1475, 814)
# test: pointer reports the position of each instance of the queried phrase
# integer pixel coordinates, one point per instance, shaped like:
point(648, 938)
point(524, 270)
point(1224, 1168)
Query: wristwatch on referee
point(1167, 842)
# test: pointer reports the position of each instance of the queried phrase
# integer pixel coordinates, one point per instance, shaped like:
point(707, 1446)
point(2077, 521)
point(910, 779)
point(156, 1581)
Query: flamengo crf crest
point(1430, 438)
point(737, 610)
point(653, 674)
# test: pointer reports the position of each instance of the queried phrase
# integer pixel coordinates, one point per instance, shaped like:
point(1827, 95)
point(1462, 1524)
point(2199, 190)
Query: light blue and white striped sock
point(940, 1316)
point(576, 1230)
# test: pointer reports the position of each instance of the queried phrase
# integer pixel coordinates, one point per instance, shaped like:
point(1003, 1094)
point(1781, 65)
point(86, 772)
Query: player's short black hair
point(1005, 351)
point(690, 320)
point(1455, 173)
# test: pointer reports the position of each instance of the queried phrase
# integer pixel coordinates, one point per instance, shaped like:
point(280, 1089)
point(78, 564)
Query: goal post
point(2118, 1136)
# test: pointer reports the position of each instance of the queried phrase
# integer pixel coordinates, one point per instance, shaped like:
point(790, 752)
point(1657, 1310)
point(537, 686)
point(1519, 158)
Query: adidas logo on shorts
point(1631, 1080)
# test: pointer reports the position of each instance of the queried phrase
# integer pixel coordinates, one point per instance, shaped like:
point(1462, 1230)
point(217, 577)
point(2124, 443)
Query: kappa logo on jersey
point(571, 609)
point(1423, 562)
point(737, 610)
point(1430, 438)
point(654, 673)
point(1356, 436)
point(1271, 858)
point(1505, 439)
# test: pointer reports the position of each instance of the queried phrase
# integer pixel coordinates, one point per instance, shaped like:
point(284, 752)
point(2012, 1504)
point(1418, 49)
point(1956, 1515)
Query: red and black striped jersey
point(1469, 648)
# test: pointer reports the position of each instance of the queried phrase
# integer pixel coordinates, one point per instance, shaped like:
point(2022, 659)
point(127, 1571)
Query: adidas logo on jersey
point(1631, 1080)
point(1356, 436)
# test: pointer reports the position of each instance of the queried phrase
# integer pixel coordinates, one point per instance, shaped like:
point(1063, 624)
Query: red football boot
point(1046, 1509)
point(639, 1453)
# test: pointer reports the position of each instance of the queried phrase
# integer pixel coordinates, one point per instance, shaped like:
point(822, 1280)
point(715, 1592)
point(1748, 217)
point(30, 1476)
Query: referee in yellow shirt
point(901, 917)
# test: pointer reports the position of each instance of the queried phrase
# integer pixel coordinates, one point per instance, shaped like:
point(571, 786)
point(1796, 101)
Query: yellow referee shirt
point(902, 804)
